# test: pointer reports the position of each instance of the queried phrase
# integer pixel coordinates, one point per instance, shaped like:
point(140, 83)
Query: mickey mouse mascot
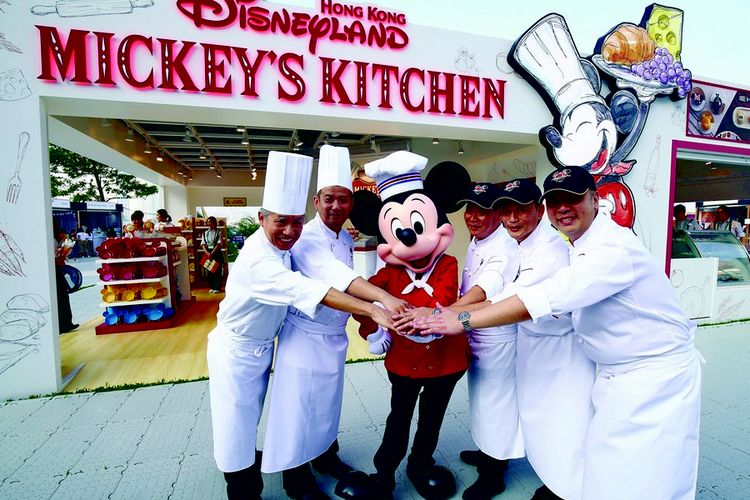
point(413, 232)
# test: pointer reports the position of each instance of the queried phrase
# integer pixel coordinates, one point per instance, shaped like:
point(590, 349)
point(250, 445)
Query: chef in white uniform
point(308, 382)
point(491, 265)
point(642, 441)
point(259, 289)
point(554, 375)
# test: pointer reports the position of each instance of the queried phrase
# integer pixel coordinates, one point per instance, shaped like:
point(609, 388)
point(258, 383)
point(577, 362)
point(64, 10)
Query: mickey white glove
point(379, 341)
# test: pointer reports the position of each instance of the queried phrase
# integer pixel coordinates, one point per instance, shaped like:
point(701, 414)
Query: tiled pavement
point(155, 442)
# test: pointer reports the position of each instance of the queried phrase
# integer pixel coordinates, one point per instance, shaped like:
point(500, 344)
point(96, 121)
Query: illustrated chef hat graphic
point(287, 183)
point(398, 172)
point(547, 52)
point(334, 168)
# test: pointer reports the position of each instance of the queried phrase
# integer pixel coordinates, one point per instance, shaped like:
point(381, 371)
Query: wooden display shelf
point(140, 326)
point(133, 259)
point(132, 302)
point(133, 282)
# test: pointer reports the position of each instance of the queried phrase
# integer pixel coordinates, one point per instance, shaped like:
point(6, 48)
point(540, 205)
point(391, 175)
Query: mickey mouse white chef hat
point(398, 172)
point(287, 183)
point(547, 52)
point(334, 168)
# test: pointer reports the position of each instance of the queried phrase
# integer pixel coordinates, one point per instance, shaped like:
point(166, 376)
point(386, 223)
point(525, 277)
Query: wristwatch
point(464, 318)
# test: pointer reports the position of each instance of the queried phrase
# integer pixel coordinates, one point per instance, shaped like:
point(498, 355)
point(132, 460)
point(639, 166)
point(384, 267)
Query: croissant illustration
point(628, 44)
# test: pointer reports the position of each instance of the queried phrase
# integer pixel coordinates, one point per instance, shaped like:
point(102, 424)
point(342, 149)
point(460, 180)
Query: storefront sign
point(100, 205)
point(235, 201)
point(718, 112)
point(146, 62)
point(57, 203)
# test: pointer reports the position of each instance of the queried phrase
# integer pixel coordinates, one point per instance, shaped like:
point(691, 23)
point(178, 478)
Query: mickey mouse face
point(412, 236)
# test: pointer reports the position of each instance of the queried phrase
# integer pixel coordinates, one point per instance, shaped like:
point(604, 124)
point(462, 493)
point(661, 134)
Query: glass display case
point(734, 262)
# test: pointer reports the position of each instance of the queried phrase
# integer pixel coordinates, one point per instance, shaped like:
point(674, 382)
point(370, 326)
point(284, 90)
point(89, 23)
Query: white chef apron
point(238, 369)
point(643, 439)
point(307, 393)
point(495, 425)
point(554, 380)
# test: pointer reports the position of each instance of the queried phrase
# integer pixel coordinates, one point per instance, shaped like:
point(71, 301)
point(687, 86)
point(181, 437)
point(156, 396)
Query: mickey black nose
point(407, 236)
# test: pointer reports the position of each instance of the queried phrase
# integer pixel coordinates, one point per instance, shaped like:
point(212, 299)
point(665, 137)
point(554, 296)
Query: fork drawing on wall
point(14, 183)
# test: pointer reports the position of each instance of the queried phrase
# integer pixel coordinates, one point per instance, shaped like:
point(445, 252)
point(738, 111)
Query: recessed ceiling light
point(460, 147)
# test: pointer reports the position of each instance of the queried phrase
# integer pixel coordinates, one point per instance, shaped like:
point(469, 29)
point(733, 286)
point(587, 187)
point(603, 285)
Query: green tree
point(82, 179)
point(245, 227)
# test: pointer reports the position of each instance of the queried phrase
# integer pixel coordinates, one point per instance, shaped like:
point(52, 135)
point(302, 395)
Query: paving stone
point(60, 452)
point(115, 446)
point(15, 412)
point(16, 449)
point(30, 487)
point(98, 409)
point(53, 413)
point(199, 478)
point(143, 402)
point(84, 485)
point(182, 398)
point(166, 439)
point(201, 439)
point(154, 479)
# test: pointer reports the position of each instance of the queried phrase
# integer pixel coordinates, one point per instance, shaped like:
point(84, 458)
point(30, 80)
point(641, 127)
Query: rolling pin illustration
point(82, 8)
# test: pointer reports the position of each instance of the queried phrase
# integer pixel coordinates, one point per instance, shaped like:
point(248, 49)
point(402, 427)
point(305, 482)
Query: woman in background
point(212, 246)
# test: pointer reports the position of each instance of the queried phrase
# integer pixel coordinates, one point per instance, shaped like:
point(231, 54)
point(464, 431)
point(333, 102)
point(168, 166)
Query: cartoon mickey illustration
point(587, 127)
point(413, 233)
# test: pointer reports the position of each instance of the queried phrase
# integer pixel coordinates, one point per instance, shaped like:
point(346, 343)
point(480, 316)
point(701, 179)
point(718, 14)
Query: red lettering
point(385, 83)
point(405, 82)
point(332, 81)
point(397, 38)
point(437, 94)
point(212, 13)
point(361, 83)
point(299, 23)
point(469, 85)
point(291, 76)
point(497, 95)
point(215, 69)
point(251, 69)
point(104, 51)
point(173, 63)
point(125, 59)
point(257, 19)
point(336, 35)
point(318, 29)
point(74, 52)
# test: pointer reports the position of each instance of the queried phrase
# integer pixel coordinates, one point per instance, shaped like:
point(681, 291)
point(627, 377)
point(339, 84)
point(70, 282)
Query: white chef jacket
point(492, 264)
point(554, 376)
point(627, 319)
point(259, 289)
point(308, 382)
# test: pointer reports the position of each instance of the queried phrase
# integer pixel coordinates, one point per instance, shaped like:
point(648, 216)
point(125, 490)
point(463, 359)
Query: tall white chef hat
point(549, 55)
point(334, 168)
point(397, 173)
point(287, 183)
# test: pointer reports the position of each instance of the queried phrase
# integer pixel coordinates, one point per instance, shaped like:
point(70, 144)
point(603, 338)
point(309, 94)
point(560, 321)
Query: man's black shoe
point(471, 457)
point(544, 493)
point(484, 488)
point(69, 328)
point(331, 465)
point(433, 482)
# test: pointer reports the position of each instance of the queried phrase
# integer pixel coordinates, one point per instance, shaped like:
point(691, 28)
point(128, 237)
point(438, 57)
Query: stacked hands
point(419, 323)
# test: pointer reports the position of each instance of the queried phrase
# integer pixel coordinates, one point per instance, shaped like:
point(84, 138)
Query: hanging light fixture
point(240, 128)
point(130, 137)
point(188, 137)
point(245, 140)
point(159, 157)
point(106, 122)
point(460, 147)
point(435, 140)
point(190, 176)
point(253, 174)
point(202, 156)
point(147, 149)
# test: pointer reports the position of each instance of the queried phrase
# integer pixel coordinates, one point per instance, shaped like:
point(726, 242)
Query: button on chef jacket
point(624, 310)
point(261, 286)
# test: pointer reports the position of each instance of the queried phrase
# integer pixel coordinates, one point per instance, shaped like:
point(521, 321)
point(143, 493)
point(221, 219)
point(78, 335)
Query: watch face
point(463, 316)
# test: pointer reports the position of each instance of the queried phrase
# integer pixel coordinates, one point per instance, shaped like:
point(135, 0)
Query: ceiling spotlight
point(106, 122)
point(190, 176)
point(130, 137)
point(709, 163)
point(460, 147)
point(188, 136)
point(253, 175)
point(212, 165)
point(240, 128)
point(147, 149)
point(202, 156)
point(159, 157)
point(218, 174)
point(335, 134)
point(245, 140)
point(435, 140)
